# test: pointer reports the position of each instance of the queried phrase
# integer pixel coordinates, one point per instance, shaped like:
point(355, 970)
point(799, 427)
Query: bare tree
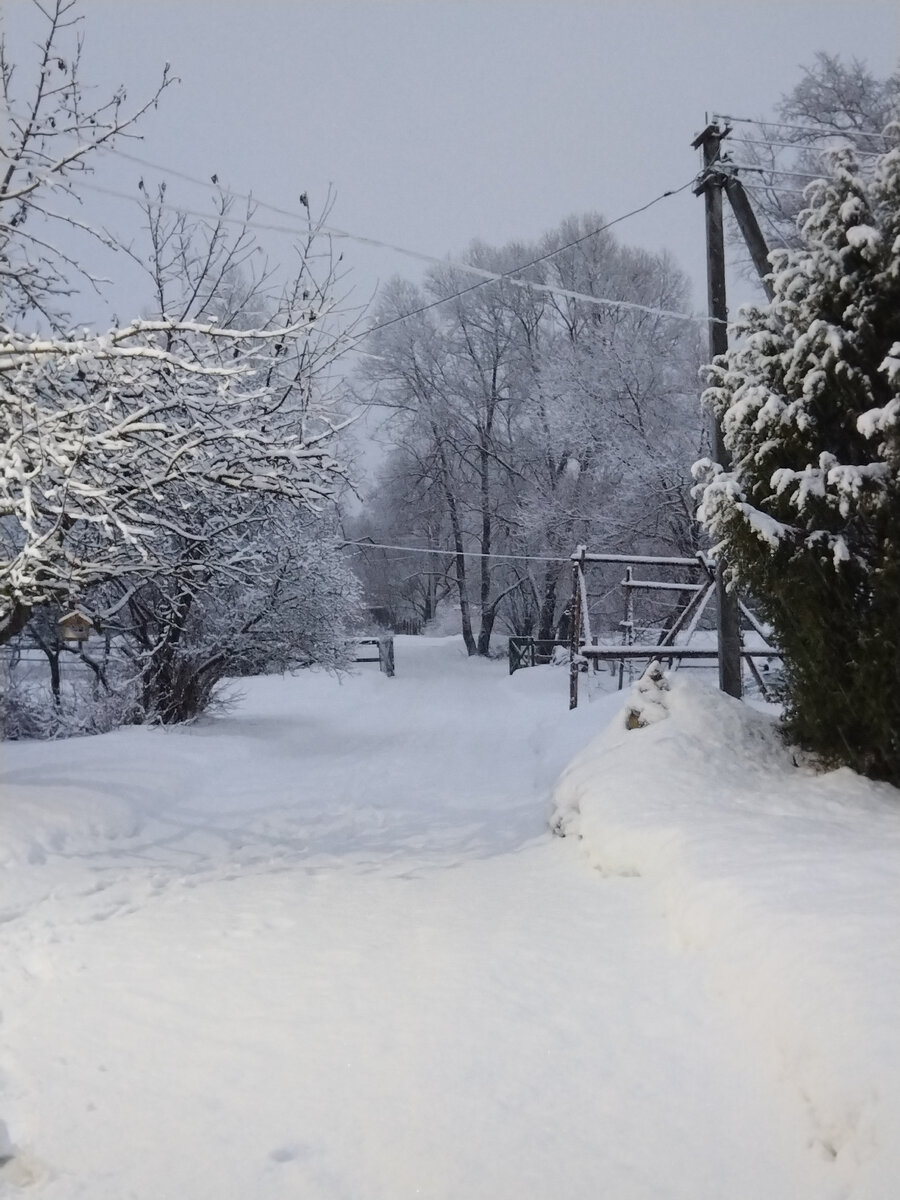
point(51, 135)
point(835, 103)
point(150, 467)
point(538, 419)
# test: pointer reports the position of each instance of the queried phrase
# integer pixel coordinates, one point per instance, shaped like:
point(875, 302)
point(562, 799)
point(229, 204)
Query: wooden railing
point(383, 652)
point(673, 645)
point(529, 651)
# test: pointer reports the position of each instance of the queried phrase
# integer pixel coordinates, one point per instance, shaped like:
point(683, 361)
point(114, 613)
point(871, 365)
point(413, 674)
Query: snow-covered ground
point(326, 947)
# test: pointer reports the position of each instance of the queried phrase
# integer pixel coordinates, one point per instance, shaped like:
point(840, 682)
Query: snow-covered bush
point(292, 602)
point(808, 512)
point(30, 709)
point(99, 434)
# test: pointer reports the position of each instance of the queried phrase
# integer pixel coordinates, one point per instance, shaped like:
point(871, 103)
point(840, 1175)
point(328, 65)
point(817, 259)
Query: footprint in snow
point(290, 1152)
point(23, 1170)
point(18, 1168)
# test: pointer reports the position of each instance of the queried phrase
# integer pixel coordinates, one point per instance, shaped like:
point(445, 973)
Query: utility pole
point(711, 184)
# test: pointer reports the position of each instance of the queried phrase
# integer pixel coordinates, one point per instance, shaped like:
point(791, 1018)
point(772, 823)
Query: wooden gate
point(674, 643)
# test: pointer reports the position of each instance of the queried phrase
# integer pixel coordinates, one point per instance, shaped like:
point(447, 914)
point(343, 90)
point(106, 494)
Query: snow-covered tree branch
point(835, 103)
point(182, 463)
point(52, 134)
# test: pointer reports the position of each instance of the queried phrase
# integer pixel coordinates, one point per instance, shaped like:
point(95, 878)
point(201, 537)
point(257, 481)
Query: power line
point(757, 169)
point(367, 545)
point(291, 230)
point(526, 284)
point(485, 276)
point(811, 128)
point(249, 198)
point(488, 276)
point(491, 277)
point(799, 146)
point(772, 189)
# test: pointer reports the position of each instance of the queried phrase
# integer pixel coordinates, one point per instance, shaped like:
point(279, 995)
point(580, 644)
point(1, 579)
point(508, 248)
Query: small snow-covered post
point(386, 656)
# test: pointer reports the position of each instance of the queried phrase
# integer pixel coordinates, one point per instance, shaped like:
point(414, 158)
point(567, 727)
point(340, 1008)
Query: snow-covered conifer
point(808, 511)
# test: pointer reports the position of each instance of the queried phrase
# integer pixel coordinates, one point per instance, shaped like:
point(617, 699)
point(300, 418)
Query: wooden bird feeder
point(75, 626)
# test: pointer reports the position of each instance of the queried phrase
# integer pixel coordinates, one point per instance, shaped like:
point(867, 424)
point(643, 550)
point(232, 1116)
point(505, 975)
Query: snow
point(864, 238)
point(785, 885)
point(879, 420)
point(326, 946)
point(765, 527)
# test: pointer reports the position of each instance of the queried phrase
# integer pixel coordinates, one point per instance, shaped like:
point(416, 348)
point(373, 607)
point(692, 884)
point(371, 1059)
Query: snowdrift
point(786, 882)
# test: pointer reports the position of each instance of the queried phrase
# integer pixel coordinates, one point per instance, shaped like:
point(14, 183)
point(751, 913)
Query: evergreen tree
point(808, 511)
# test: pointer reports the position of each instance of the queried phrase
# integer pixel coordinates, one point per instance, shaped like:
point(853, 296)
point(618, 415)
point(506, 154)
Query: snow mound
point(37, 820)
point(786, 883)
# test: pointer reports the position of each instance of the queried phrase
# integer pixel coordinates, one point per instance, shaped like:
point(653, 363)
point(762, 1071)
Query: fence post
point(575, 631)
point(629, 618)
point(627, 626)
point(386, 655)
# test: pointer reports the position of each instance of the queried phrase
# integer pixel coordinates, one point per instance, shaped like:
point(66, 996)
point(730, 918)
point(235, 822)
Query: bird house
point(74, 626)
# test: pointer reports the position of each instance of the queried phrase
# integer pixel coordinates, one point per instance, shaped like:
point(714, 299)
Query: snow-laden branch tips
point(98, 434)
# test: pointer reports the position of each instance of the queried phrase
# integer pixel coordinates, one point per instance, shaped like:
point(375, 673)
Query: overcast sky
point(439, 121)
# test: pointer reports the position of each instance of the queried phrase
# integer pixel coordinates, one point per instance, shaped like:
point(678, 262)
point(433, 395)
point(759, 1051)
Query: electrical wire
point(507, 275)
point(764, 189)
point(757, 169)
point(247, 197)
point(367, 545)
point(812, 128)
point(291, 230)
point(485, 276)
point(799, 146)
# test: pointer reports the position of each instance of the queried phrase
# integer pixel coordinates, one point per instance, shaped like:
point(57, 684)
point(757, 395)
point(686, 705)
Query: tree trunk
point(53, 660)
point(461, 582)
point(488, 614)
point(465, 611)
point(169, 694)
point(51, 653)
point(14, 622)
point(546, 622)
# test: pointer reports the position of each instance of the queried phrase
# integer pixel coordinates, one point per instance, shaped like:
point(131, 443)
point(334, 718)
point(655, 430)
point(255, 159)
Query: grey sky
point(438, 121)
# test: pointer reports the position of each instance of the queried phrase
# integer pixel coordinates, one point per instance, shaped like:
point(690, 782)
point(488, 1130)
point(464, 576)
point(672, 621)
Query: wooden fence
point(529, 651)
point(376, 649)
point(692, 595)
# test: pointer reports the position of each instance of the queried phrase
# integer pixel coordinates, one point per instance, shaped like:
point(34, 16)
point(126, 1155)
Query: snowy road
point(325, 947)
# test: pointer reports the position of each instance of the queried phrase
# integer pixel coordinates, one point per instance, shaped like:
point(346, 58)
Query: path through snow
point(326, 948)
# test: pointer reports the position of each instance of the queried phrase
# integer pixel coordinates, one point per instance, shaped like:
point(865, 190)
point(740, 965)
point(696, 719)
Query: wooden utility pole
point(711, 184)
